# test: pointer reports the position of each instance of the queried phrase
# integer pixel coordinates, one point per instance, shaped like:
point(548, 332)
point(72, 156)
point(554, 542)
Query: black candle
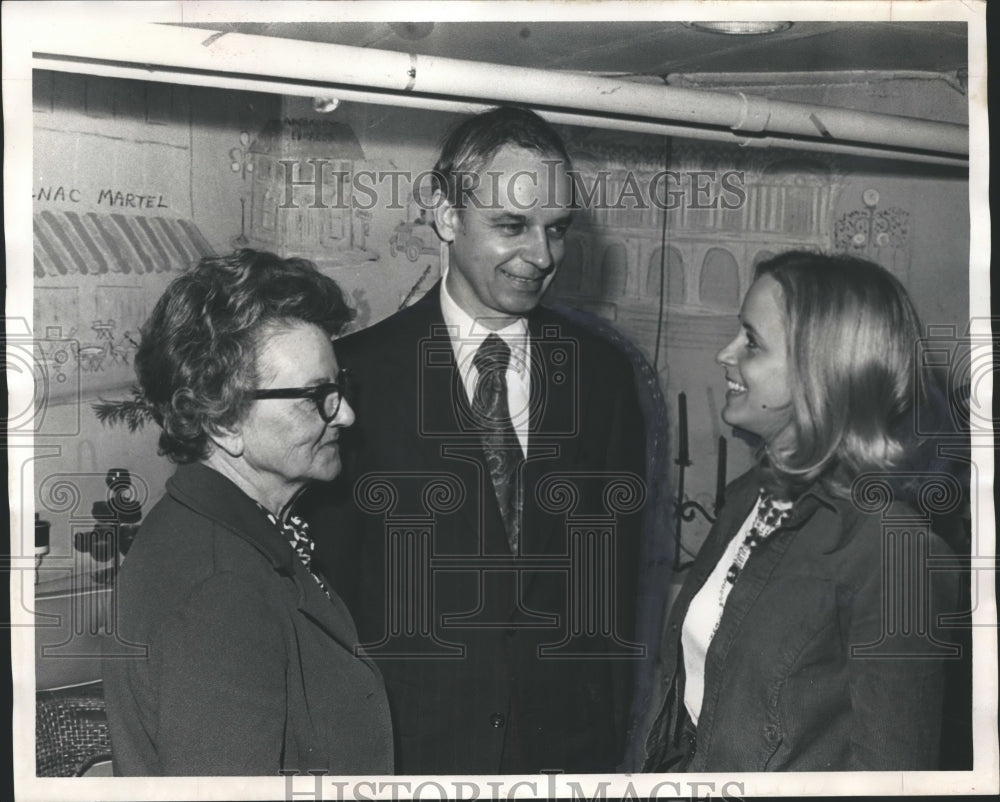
point(41, 543)
point(41, 535)
point(720, 475)
point(682, 429)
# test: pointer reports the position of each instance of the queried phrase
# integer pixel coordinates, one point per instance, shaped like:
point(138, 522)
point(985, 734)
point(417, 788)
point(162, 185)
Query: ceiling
point(649, 47)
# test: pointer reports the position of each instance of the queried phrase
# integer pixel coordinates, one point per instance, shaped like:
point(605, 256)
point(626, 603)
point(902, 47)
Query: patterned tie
point(500, 443)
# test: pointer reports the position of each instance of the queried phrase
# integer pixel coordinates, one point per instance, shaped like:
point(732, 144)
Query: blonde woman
point(767, 659)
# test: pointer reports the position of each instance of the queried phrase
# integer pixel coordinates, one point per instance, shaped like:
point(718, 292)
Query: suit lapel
point(554, 397)
point(445, 436)
point(554, 424)
point(444, 432)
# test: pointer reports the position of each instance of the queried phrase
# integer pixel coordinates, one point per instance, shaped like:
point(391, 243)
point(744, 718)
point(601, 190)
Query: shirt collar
point(467, 334)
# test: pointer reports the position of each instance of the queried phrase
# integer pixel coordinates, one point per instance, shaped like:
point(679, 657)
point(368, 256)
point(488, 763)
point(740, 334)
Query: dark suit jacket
point(250, 666)
point(459, 629)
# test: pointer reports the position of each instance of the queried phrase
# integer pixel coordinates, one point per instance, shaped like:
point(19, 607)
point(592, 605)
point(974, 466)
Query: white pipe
point(956, 80)
point(813, 78)
point(283, 60)
point(246, 84)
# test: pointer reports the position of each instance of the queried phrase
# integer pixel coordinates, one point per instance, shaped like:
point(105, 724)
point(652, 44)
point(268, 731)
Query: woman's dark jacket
point(250, 667)
point(815, 665)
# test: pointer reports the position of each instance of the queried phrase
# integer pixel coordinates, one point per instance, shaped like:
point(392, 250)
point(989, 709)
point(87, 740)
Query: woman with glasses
point(249, 667)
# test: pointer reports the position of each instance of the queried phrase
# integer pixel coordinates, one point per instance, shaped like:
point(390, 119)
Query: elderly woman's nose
point(345, 415)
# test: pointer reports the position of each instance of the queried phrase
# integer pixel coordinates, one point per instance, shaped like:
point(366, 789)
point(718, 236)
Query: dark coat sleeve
point(896, 681)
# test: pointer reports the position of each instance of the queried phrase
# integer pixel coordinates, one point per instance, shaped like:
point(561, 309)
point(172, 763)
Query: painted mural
point(135, 182)
point(109, 230)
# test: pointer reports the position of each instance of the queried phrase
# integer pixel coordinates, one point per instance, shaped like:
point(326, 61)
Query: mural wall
point(135, 181)
point(132, 184)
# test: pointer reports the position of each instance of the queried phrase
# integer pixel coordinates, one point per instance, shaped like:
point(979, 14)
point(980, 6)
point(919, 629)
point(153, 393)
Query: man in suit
point(485, 537)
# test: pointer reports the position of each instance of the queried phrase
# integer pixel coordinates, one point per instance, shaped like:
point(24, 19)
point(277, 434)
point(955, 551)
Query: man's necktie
point(500, 443)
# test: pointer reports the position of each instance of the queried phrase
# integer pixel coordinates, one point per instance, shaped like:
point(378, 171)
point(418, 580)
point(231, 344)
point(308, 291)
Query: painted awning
point(92, 243)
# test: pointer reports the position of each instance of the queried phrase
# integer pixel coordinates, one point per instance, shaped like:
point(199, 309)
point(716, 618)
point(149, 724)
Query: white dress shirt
point(467, 334)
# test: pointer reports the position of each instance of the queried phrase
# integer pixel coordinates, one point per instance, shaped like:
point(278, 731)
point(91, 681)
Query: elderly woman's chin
point(329, 466)
point(321, 463)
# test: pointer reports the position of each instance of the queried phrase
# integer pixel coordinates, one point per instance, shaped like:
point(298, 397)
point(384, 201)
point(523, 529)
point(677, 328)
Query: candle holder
point(687, 509)
point(41, 542)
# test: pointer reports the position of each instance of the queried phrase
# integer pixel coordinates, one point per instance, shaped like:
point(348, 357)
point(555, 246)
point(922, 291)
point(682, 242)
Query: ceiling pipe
point(247, 84)
point(956, 79)
point(328, 68)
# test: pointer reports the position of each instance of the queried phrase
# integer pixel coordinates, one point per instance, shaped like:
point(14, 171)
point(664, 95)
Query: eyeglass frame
point(318, 394)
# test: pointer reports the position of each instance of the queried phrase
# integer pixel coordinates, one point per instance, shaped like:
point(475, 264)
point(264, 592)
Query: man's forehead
point(522, 180)
point(516, 159)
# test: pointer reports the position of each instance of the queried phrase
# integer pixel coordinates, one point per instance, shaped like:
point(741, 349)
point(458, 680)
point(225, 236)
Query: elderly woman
point(784, 650)
point(249, 667)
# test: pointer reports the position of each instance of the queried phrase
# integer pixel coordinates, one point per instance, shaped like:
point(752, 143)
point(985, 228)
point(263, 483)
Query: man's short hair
point(472, 144)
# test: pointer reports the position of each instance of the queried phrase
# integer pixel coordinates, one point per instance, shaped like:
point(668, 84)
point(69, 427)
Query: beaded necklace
point(770, 514)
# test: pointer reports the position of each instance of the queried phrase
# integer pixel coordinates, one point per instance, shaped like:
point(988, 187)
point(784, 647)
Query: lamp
point(745, 28)
point(324, 105)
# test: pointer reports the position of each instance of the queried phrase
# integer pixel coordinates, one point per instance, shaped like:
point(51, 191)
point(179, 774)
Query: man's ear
point(229, 439)
point(446, 219)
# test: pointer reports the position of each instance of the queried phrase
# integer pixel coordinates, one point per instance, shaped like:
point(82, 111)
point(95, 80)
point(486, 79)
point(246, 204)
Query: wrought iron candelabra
point(685, 509)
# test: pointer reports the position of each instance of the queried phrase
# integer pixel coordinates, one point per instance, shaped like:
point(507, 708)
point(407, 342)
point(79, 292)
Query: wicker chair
point(71, 731)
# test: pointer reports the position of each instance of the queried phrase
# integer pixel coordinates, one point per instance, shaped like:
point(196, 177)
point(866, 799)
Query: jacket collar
point(829, 538)
point(741, 494)
point(814, 494)
point(209, 493)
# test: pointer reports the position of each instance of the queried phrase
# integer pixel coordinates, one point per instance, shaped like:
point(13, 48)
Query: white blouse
point(705, 612)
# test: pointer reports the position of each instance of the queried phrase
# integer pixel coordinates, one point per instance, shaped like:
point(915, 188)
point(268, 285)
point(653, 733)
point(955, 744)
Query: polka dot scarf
point(296, 532)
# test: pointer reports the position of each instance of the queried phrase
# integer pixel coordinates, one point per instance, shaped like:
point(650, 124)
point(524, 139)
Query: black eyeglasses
point(326, 396)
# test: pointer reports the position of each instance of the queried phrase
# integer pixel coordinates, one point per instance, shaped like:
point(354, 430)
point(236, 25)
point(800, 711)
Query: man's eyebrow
point(513, 217)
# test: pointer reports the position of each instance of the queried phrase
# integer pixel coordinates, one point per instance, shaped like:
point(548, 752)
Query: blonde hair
point(852, 336)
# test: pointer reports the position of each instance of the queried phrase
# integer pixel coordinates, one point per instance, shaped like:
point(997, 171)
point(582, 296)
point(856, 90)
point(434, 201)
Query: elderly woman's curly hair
point(197, 361)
